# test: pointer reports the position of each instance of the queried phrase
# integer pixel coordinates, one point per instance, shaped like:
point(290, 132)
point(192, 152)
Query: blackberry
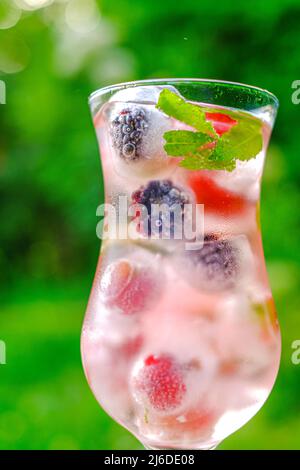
point(127, 131)
point(161, 193)
point(216, 263)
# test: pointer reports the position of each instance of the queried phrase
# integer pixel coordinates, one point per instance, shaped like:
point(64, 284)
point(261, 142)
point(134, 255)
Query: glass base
point(213, 447)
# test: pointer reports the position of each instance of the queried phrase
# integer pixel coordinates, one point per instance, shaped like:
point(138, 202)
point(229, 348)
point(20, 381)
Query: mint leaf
point(176, 107)
point(204, 149)
point(221, 157)
point(181, 143)
point(244, 140)
point(208, 159)
point(193, 146)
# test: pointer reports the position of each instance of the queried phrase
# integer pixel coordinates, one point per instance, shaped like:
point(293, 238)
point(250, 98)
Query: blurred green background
point(52, 55)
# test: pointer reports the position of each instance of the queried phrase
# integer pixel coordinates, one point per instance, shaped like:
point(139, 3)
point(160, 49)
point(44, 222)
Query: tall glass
point(180, 342)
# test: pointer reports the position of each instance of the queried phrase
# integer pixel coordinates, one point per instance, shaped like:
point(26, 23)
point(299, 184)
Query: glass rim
point(161, 81)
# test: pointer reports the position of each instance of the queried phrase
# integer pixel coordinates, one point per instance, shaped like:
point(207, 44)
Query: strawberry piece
point(221, 122)
point(161, 382)
point(115, 278)
point(215, 198)
point(229, 367)
point(127, 287)
point(195, 422)
point(131, 347)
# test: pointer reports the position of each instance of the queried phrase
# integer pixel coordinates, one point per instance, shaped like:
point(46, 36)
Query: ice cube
point(141, 94)
point(136, 129)
point(128, 282)
point(239, 342)
point(136, 133)
point(244, 179)
point(221, 264)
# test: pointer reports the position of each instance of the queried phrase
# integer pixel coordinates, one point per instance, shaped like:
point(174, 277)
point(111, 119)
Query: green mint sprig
point(175, 106)
point(180, 143)
point(204, 148)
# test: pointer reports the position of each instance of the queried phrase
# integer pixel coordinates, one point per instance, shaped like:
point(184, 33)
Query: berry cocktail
point(180, 342)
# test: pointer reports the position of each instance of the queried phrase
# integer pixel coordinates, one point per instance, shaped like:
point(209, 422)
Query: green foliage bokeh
point(51, 184)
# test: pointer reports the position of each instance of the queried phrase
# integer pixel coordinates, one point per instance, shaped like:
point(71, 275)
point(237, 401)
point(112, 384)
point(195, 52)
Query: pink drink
point(181, 347)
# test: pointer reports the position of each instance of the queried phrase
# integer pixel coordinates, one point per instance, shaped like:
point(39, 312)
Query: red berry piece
point(131, 347)
point(160, 382)
point(195, 422)
point(215, 198)
point(221, 122)
point(115, 278)
point(127, 287)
